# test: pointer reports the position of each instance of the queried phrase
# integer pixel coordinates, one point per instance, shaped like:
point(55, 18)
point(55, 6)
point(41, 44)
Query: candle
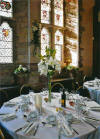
point(38, 102)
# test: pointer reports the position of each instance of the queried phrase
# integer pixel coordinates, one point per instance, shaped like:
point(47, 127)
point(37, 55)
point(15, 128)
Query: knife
point(75, 131)
point(92, 118)
point(36, 130)
point(90, 123)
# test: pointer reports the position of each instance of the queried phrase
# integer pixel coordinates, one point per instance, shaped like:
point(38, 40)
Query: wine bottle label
point(62, 101)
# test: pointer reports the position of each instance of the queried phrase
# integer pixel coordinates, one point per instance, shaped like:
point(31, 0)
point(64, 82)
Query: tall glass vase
point(49, 88)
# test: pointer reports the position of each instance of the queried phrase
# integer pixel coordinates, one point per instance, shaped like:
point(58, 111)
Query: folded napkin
point(91, 85)
point(10, 104)
point(91, 118)
point(2, 114)
point(67, 130)
point(9, 117)
point(31, 128)
point(92, 104)
point(95, 109)
point(64, 125)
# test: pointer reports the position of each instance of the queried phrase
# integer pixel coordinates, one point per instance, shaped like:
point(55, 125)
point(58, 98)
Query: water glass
point(38, 102)
point(24, 107)
point(25, 99)
point(78, 108)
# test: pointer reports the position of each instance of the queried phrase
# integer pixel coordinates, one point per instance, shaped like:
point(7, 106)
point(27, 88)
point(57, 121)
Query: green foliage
point(69, 67)
point(20, 69)
point(50, 52)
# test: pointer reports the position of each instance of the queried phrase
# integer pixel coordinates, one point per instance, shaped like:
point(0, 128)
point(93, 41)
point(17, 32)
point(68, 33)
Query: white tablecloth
point(85, 130)
point(94, 89)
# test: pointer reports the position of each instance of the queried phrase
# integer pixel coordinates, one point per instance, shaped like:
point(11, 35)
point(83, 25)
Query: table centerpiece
point(48, 66)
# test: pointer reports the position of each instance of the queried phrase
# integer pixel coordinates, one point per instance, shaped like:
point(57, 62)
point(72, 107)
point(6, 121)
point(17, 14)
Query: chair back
point(1, 134)
point(25, 88)
point(83, 92)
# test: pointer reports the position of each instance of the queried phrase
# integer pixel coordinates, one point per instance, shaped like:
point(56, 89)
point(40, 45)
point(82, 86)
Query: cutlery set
point(8, 116)
point(29, 127)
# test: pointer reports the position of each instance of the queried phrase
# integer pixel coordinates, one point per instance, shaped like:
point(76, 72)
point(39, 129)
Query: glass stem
point(49, 87)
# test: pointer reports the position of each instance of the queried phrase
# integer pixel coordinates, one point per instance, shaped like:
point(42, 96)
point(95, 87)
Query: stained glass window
point(6, 8)
point(74, 55)
point(58, 12)
point(58, 45)
point(45, 40)
point(6, 53)
point(45, 11)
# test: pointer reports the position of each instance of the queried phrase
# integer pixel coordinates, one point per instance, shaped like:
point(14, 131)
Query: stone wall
point(20, 44)
point(19, 24)
point(86, 36)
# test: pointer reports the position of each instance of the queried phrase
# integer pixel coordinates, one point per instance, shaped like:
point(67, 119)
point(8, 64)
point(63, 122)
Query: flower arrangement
point(36, 26)
point(48, 65)
point(21, 75)
point(20, 69)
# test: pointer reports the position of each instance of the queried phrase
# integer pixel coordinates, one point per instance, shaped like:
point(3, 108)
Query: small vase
point(49, 89)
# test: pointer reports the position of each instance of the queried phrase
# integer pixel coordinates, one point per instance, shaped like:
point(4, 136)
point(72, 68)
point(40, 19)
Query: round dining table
point(93, 87)
point(14, 126)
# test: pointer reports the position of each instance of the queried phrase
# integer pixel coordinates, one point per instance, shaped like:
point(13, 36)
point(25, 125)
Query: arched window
point(6, 50)
point(61, 18)
point(45, 40)
point(6, 8)
point(45, 11)
point(58, 12)
point(58, 45)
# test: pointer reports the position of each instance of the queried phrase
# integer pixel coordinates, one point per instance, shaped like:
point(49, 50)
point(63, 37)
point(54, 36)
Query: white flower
point(43, 68)
point(51, 62)
point(44, 71)
point(58, 67)
point(48, 65)
point(24, 69)
point(20, 67)
point(39, 66)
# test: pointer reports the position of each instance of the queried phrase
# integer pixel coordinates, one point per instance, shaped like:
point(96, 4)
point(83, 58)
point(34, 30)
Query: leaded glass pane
point(5, 44)
point(58, 38)
point(45, 11)
point(45, 40)
point(58, 45)
point(58, 12)
point(74, 57)
point(6, 52)
point(6, 8)
point(58, 52)
point(6, 59)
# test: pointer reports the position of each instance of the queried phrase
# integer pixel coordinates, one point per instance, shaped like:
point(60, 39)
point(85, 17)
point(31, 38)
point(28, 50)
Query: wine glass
point(71, 100)
point(45, 91)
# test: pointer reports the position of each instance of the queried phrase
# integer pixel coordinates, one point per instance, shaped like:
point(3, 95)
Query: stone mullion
point(64, 19)
point(52, 24)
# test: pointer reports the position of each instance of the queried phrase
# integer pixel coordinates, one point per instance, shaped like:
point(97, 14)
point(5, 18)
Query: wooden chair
point(83, 92)
point(3, 96)
point(25, 88)
point(2, 135)
point(84, 78)
point(56, 87)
